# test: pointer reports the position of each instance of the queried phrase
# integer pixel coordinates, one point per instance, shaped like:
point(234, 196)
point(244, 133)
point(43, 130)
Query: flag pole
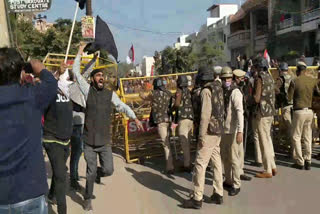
point(71, 33)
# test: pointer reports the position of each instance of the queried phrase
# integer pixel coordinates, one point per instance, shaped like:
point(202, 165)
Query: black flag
point(82, 3)
point(104, 40)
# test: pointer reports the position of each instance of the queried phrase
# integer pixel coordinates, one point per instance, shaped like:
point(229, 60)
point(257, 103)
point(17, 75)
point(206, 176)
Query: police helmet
point(205, 74)
point(157, 83)
point(261, 62)
point(226, 72)
point(182, 81)
point(301, 65)
point(284, 66)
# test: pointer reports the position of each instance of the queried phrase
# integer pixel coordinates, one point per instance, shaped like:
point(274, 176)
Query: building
point(147, 66)
point(181, 42)
point(215, 29)
point(42, 25)
point(249, 29)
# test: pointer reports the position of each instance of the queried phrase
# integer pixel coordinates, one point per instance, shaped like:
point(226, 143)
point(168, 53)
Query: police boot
point(216, 199)
point(87, 205)
point(192, 204)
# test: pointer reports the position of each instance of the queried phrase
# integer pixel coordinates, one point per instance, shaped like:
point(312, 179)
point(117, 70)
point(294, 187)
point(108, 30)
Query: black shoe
point(307, 165)
point(245, 177)
point(192, 204)
point(216, 199)
point(234, 191)
point(74, 184)
point(297, 166)
point(87, 205)
point(98, 179)
point(227, 186)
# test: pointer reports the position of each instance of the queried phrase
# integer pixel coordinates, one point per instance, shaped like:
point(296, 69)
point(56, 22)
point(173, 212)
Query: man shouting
point(97, 133)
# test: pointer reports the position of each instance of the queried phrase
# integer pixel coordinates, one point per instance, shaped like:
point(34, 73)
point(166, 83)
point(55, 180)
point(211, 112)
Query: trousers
point(184, 129)
point(32, 206)
point(163, 130)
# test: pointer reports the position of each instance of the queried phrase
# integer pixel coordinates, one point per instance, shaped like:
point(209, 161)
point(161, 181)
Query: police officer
point(211, 128)
point(301, 90)
point(264, 96)
point(184, 118)
point(196, 105)
point(283, 83)
point(239, 78)
point(161, 100)
point(231, 146)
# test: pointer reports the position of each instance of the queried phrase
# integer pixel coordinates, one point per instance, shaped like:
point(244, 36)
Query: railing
point(288, 23)
point(311, 15)
point(239, 36)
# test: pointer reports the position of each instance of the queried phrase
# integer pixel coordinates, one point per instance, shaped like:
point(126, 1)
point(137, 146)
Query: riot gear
point(182, 81)
point(226, 72)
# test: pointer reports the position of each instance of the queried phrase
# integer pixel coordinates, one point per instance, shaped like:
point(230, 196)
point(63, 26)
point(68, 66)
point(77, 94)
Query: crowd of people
point(77, 114)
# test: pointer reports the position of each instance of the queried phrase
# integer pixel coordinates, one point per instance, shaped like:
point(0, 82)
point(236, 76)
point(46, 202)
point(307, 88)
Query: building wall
point(147, 63)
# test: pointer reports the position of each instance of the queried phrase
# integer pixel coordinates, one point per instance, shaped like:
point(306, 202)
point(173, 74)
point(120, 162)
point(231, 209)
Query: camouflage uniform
point(161, 101)
point(265, 110)
point(185, 122)
point(196, 104)
point(210, 131)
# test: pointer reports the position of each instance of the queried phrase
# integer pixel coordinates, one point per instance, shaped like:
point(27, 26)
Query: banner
point(132, 128)
point(22, 6)
point(88, 27)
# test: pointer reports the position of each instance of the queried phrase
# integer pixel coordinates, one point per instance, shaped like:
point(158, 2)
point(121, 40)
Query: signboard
point(88, 27)
point(133, 129)
point(22, 6)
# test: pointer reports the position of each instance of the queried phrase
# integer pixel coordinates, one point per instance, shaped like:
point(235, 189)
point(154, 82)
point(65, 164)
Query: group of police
point(218, 110)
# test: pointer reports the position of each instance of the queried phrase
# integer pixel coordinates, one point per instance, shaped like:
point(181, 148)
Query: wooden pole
point(71, 33)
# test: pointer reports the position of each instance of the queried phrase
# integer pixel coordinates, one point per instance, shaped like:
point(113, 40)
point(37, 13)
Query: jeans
point(32, 206)
point(76, 151)
point(58, 155)
point(106, 163)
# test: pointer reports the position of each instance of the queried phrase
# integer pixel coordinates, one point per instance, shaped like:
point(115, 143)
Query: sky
point(185, 16)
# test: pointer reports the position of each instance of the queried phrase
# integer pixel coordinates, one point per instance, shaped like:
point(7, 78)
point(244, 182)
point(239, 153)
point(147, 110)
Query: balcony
point(239, 39)
point(289, 25)
point(310, 20)
point(260, 42)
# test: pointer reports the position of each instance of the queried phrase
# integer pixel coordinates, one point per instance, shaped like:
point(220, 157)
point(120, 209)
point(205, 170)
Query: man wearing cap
point(210, 131)
point(184, 118)
point(301, 90)
point(283, 83)
point(264, 96)
point(239, 77)
point(231, 146)
point(97, 133)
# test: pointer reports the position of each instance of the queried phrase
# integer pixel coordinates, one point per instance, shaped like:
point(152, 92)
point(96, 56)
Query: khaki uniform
point(301, 90)
point(185, 117)
point(257, 150)
point(264, 96)
point(209, 140)
point(161, 102)
point(232, 153)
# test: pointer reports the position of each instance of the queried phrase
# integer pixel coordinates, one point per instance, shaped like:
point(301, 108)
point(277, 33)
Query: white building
point(181, 42)
point(217, 24)
point(147, 66)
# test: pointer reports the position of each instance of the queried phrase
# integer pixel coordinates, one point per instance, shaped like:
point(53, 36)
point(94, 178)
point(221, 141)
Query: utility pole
point(4, 31)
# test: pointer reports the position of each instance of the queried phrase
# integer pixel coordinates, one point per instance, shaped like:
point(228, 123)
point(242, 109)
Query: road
point(143, 189)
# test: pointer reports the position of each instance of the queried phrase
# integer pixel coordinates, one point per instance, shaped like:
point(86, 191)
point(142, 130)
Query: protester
point(23, 181)
point(57, 132)
point(79, 105)
point(97, 133)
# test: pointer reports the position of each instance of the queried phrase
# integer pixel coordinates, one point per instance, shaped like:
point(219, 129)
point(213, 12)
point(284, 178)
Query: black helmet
point(157, 83)
point(205, 74)
point(182, 81)
point(284, 66)
point(261, 62)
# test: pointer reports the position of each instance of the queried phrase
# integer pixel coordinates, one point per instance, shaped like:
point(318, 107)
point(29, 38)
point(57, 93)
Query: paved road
point(137, 189)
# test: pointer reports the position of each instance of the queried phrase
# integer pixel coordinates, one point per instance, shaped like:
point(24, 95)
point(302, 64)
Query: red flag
point(266, 56)
point(130, 57)
point(282, 18)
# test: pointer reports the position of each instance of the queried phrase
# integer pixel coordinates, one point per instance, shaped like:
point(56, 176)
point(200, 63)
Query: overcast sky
point(185, 16)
